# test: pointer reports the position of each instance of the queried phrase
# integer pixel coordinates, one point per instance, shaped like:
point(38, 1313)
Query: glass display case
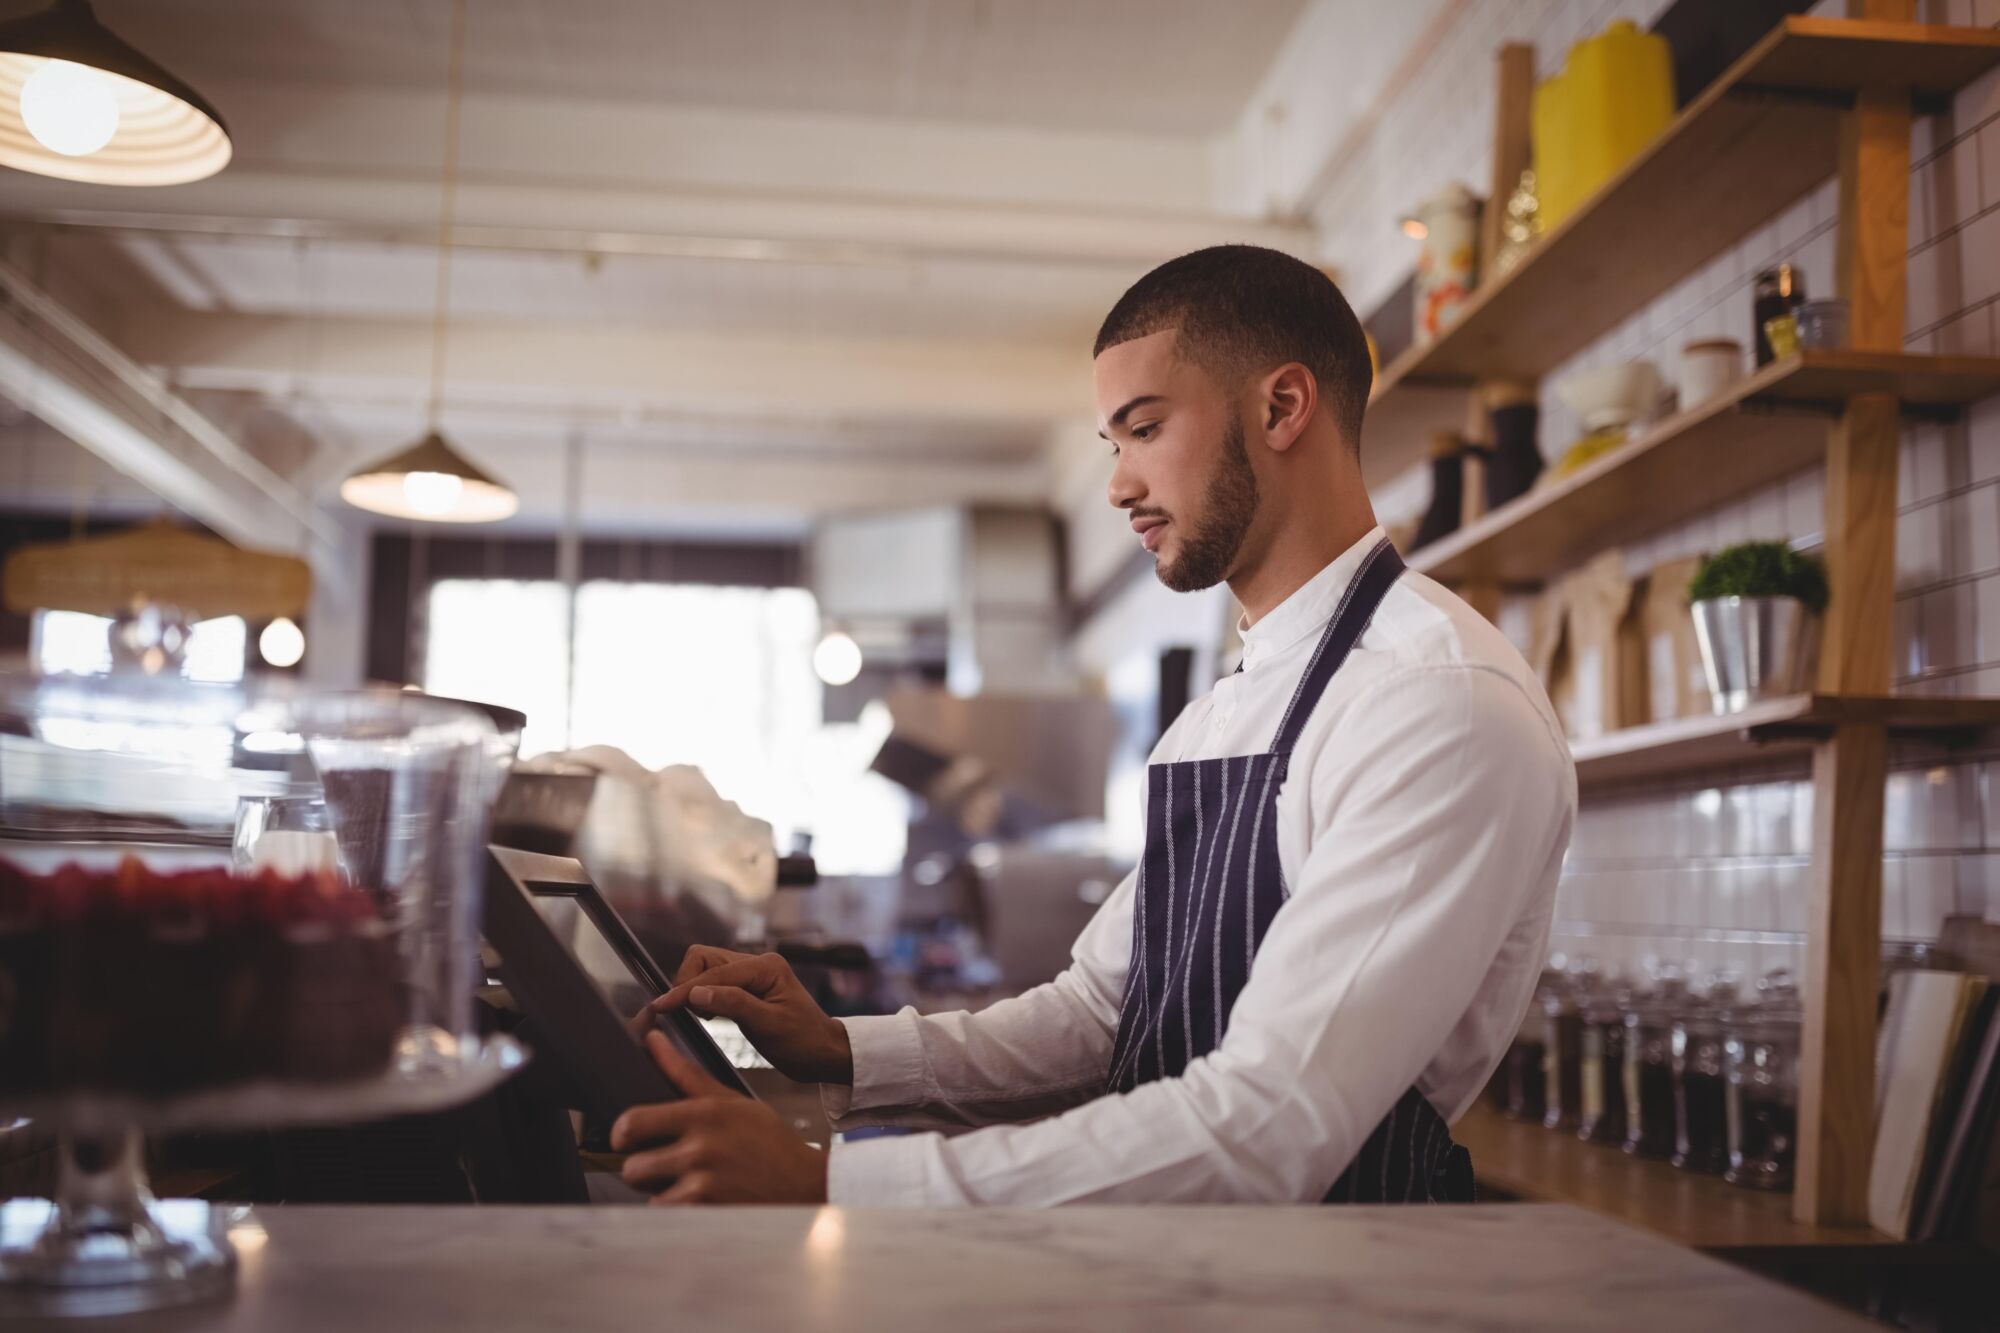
point(166, 981)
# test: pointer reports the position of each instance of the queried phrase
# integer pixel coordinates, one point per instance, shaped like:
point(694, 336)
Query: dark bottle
point(1447, 508)
point(1779, 291)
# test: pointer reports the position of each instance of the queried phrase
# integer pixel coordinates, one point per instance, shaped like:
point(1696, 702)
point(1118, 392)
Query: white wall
point(1717, 871)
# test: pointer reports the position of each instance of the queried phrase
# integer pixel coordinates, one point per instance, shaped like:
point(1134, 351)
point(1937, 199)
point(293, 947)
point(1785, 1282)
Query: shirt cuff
point(889, 1066)
point(880, 1173)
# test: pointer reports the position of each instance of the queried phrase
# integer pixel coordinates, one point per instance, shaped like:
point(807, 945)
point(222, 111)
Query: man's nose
point(1125, 490)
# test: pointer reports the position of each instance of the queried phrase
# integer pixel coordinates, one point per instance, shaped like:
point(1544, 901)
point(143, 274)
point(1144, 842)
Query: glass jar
point(1762, 1052)
point(1602, 1115)
point(1777, 294)
point(1523, 1071)
point(1649, 1066)
point(1700, 1069)
point(1562, 1042)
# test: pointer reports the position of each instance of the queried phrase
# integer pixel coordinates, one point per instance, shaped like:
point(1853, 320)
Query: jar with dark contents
point(1562, 1054)
point(1701, 1076)
point(1602, 1116)
point(1778, 291)
point(1649, 1065)
point(1523, 1071)
point(1762, 1050)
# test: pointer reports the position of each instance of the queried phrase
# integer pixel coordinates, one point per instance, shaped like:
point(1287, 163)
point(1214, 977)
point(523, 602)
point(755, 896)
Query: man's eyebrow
point(1118, 417)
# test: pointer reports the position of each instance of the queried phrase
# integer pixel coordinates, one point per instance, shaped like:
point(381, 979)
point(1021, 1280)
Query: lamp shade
point(431, 481)
point(79, 103)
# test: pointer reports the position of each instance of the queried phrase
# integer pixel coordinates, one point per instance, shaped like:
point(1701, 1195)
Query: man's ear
point(1290, 396)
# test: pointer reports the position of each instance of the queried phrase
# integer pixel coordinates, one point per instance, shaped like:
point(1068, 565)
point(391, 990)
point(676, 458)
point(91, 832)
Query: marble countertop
point(502, 1270)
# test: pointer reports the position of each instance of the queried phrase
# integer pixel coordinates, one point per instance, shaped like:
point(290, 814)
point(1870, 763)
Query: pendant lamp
point(79, 103)
point(430, 480)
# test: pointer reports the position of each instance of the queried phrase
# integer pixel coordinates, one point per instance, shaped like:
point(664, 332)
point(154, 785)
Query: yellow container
point(1550, 127)
point(1613, 97)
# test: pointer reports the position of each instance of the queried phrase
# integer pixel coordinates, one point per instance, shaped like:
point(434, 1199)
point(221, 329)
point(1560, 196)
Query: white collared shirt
point(1421, 832)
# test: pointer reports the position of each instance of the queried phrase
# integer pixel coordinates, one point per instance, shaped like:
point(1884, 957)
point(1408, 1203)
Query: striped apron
point(1210, 884)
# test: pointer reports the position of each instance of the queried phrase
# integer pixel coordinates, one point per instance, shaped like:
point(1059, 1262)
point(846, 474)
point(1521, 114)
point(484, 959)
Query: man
point(1352, 849)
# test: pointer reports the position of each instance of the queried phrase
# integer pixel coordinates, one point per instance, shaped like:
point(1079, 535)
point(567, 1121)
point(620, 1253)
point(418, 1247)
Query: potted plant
point(1755, 607)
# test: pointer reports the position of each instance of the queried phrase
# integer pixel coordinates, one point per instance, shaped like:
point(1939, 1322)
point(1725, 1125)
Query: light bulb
point(432, 493)
point(282, 643)
point(70, 109)
point(837, 660)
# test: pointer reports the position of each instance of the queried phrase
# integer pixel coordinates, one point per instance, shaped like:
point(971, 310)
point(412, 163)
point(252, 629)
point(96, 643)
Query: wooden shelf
point(1772, 727)
point(1765, 428)
point(1762, 135)
point(1703, 1212)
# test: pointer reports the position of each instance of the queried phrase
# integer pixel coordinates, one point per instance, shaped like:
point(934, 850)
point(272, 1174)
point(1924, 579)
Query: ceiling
point(763, 259)
point(1140, 66)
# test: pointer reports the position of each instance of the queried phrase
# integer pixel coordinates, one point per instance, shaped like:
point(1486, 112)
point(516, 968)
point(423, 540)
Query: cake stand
point(104, 1245)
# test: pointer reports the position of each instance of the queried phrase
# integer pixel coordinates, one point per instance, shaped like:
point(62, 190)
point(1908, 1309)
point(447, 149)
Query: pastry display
point(135, 981)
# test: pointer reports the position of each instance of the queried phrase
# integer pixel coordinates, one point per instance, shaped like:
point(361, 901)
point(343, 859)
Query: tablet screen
point(622, 980)
point(571, 923)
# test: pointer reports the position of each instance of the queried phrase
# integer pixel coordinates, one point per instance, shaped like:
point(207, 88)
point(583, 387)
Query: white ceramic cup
point(1708, 368)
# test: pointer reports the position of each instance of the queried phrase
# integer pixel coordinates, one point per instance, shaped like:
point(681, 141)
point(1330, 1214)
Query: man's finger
point(729, 1002)
point(661, 1166)
point(756, 974)
point(662, 1122)
point(695, 1187)
point(688, 1076)
point(702, 958)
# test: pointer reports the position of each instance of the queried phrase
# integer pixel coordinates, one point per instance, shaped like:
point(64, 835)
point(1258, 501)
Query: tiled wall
point(1718, 872)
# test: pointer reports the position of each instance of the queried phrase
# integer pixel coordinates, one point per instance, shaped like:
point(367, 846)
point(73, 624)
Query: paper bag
point(1596, 668)
point(1676, 686)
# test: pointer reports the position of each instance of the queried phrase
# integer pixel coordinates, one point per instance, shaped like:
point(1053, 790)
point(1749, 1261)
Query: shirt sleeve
point(1038, 1052)
point(1441, 806)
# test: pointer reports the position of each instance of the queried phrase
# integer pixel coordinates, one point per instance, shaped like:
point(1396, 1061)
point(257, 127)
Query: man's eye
point(1143, 432)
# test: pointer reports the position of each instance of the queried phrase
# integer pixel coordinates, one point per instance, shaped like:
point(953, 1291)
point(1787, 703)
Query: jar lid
point(1713, 345)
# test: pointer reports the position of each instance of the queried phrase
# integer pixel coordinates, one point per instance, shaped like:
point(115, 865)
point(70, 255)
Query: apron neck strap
point(1380, 569)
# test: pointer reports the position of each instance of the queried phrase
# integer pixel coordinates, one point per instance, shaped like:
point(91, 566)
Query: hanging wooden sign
point(156, 564)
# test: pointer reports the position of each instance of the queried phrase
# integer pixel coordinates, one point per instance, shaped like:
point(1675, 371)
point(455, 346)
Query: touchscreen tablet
point(576, 968)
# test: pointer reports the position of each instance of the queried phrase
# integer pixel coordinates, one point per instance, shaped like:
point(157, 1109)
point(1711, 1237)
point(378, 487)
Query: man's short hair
point(1242, 310)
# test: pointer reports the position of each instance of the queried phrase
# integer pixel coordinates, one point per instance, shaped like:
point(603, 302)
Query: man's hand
point(716, 1146)
point(760, 993)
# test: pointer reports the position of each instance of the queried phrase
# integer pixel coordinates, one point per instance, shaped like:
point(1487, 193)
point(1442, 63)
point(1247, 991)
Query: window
point(506, 642)
point(77, 643)
point(717, 677)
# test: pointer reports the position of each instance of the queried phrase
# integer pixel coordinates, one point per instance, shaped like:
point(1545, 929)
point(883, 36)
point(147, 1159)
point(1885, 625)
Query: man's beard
point(1210, 548)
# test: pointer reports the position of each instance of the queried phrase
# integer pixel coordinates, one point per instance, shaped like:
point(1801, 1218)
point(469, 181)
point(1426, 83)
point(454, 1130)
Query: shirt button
point(1221, 720)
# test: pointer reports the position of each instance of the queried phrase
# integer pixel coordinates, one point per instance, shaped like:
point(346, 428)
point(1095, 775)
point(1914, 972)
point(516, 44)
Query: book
point(1914, 1059)
point(1966, 1143)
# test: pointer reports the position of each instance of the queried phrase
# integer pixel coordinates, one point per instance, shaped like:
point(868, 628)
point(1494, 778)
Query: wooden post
point(1850, 768)
point(1875, 218)
point(1514, 99)
point(1514, 96)
point(1843, 951)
